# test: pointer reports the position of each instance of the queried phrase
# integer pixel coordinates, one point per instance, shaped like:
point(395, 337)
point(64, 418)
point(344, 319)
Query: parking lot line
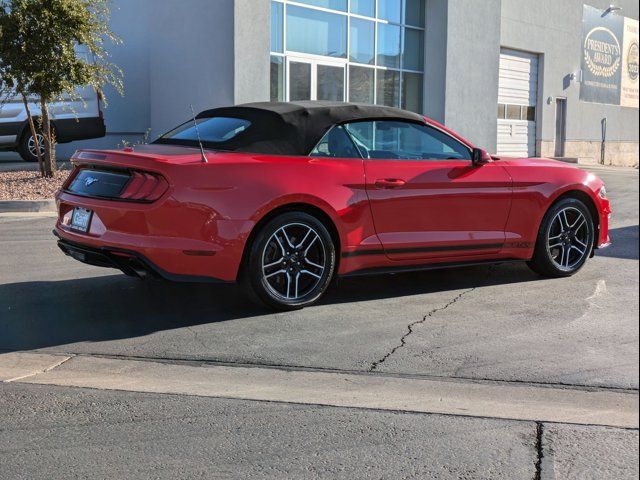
point(372, 391)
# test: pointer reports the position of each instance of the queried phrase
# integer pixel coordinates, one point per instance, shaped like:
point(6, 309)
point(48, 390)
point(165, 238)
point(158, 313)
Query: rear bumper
point(183, 241)
point(129, 262)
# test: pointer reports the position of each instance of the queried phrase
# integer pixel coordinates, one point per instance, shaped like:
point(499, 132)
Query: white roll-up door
point(517, 98)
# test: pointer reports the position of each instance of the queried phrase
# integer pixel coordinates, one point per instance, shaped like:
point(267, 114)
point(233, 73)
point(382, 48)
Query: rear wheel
point(565, 239)
point(291, 261)
point(27, 147)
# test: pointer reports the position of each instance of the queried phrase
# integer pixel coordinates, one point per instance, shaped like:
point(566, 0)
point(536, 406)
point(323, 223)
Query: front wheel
point(565, 239)
point(291, 261)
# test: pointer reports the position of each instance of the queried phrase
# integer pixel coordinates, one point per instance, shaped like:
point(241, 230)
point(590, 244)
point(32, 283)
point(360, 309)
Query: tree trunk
point(34, 133)
point(49, 141)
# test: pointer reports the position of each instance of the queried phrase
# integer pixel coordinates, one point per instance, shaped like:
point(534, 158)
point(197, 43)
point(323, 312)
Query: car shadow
point(44, 314)
point(115, 307)
point(624, 243)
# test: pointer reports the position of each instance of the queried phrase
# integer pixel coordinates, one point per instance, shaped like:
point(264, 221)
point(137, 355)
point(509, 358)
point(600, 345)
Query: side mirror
point(479, 156)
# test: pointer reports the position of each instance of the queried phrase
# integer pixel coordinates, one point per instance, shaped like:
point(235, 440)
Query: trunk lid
point(140, 155)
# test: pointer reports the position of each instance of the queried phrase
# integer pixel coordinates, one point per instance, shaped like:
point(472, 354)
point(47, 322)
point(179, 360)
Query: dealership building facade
point(517, 77)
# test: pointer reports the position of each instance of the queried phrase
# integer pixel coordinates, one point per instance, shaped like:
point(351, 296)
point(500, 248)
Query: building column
point(252, 35)
point(462, 59)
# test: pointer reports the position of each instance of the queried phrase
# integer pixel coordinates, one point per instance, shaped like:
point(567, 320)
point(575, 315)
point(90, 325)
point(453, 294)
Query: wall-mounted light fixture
point(611, 9)
point(577, 76)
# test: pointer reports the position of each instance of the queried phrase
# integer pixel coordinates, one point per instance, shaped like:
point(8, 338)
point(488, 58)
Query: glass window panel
point(277, 79)
point(424, 142)
point(388, 45)
point(361, 44)
point(513, 112)
point(406, 141)
point(364, 7)
point(502, 110)
point(413, 55)
point(330, 83)
point(362, 135)
point(335, 144)
point(388, 88)
point(414, 12)
point(361, 84)
point(299, 81)
point(316, 32)
point(213, 129)
point(277, 27)
point(412, 87)
point(529, 113)
point(332, 4)
point(389, 10)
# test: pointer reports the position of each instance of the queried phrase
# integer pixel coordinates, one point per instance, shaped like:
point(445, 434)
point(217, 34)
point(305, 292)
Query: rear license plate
point(80, 219)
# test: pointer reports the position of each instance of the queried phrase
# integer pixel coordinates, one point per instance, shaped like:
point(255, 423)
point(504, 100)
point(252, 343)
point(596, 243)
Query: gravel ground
point(24, 185)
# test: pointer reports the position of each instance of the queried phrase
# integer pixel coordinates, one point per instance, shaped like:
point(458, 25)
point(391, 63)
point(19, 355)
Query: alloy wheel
point(31, 145)
point(569, 238)
point(293, 262)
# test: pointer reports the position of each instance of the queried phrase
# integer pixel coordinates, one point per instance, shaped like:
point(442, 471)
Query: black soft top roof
point(294, 128)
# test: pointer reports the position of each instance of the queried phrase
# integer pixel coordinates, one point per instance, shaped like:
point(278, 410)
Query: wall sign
point(629, 85)
point(609, 58)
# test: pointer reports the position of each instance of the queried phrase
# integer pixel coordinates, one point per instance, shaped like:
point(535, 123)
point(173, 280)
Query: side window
point(335, 144)
point(391, 139)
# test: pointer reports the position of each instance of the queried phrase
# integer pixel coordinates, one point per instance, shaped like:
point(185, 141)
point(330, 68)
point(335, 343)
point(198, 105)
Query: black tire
point(558, 246)
point(23, 147)
point(268, 248)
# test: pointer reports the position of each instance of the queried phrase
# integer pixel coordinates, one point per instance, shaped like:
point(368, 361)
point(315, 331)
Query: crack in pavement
point(539, 451)
point(410, 327)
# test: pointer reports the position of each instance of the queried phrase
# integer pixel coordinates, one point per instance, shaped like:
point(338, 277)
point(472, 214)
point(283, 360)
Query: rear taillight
point(127, 185)
point(144, 187)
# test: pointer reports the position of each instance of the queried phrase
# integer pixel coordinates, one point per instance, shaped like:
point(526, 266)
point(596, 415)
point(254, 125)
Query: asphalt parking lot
point(481, 324)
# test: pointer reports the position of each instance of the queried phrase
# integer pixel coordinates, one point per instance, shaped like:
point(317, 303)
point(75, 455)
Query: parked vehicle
point(72, 119)
point(285, 196)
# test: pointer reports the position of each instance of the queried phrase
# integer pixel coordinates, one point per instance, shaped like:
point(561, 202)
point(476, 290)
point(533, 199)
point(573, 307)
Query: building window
point(340, 5)
point(414, 13)
point(362, 41)
point(390, 10)
point(366, 8)
point(361, 84)
point(516, 112)
point(316, 32)
point(388, 86)
point(369, 51)
point(277, 78)
point(277, 27)
point(389, 45)
point(412, 91)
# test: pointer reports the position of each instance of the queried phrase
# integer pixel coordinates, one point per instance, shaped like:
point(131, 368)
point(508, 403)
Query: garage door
point(517, 97)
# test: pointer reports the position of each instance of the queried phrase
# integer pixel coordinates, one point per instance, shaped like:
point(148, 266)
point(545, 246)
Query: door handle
point(390, 183)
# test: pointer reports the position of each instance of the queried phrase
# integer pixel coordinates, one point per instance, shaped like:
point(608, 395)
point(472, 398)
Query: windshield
point(212, 130)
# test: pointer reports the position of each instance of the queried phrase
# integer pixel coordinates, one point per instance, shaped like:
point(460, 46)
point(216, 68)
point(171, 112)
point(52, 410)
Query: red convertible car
point(286, 196)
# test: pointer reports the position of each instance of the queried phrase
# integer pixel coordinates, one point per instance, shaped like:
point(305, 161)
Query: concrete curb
point(371, 391)
point(566, 159)
point(27, 206)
